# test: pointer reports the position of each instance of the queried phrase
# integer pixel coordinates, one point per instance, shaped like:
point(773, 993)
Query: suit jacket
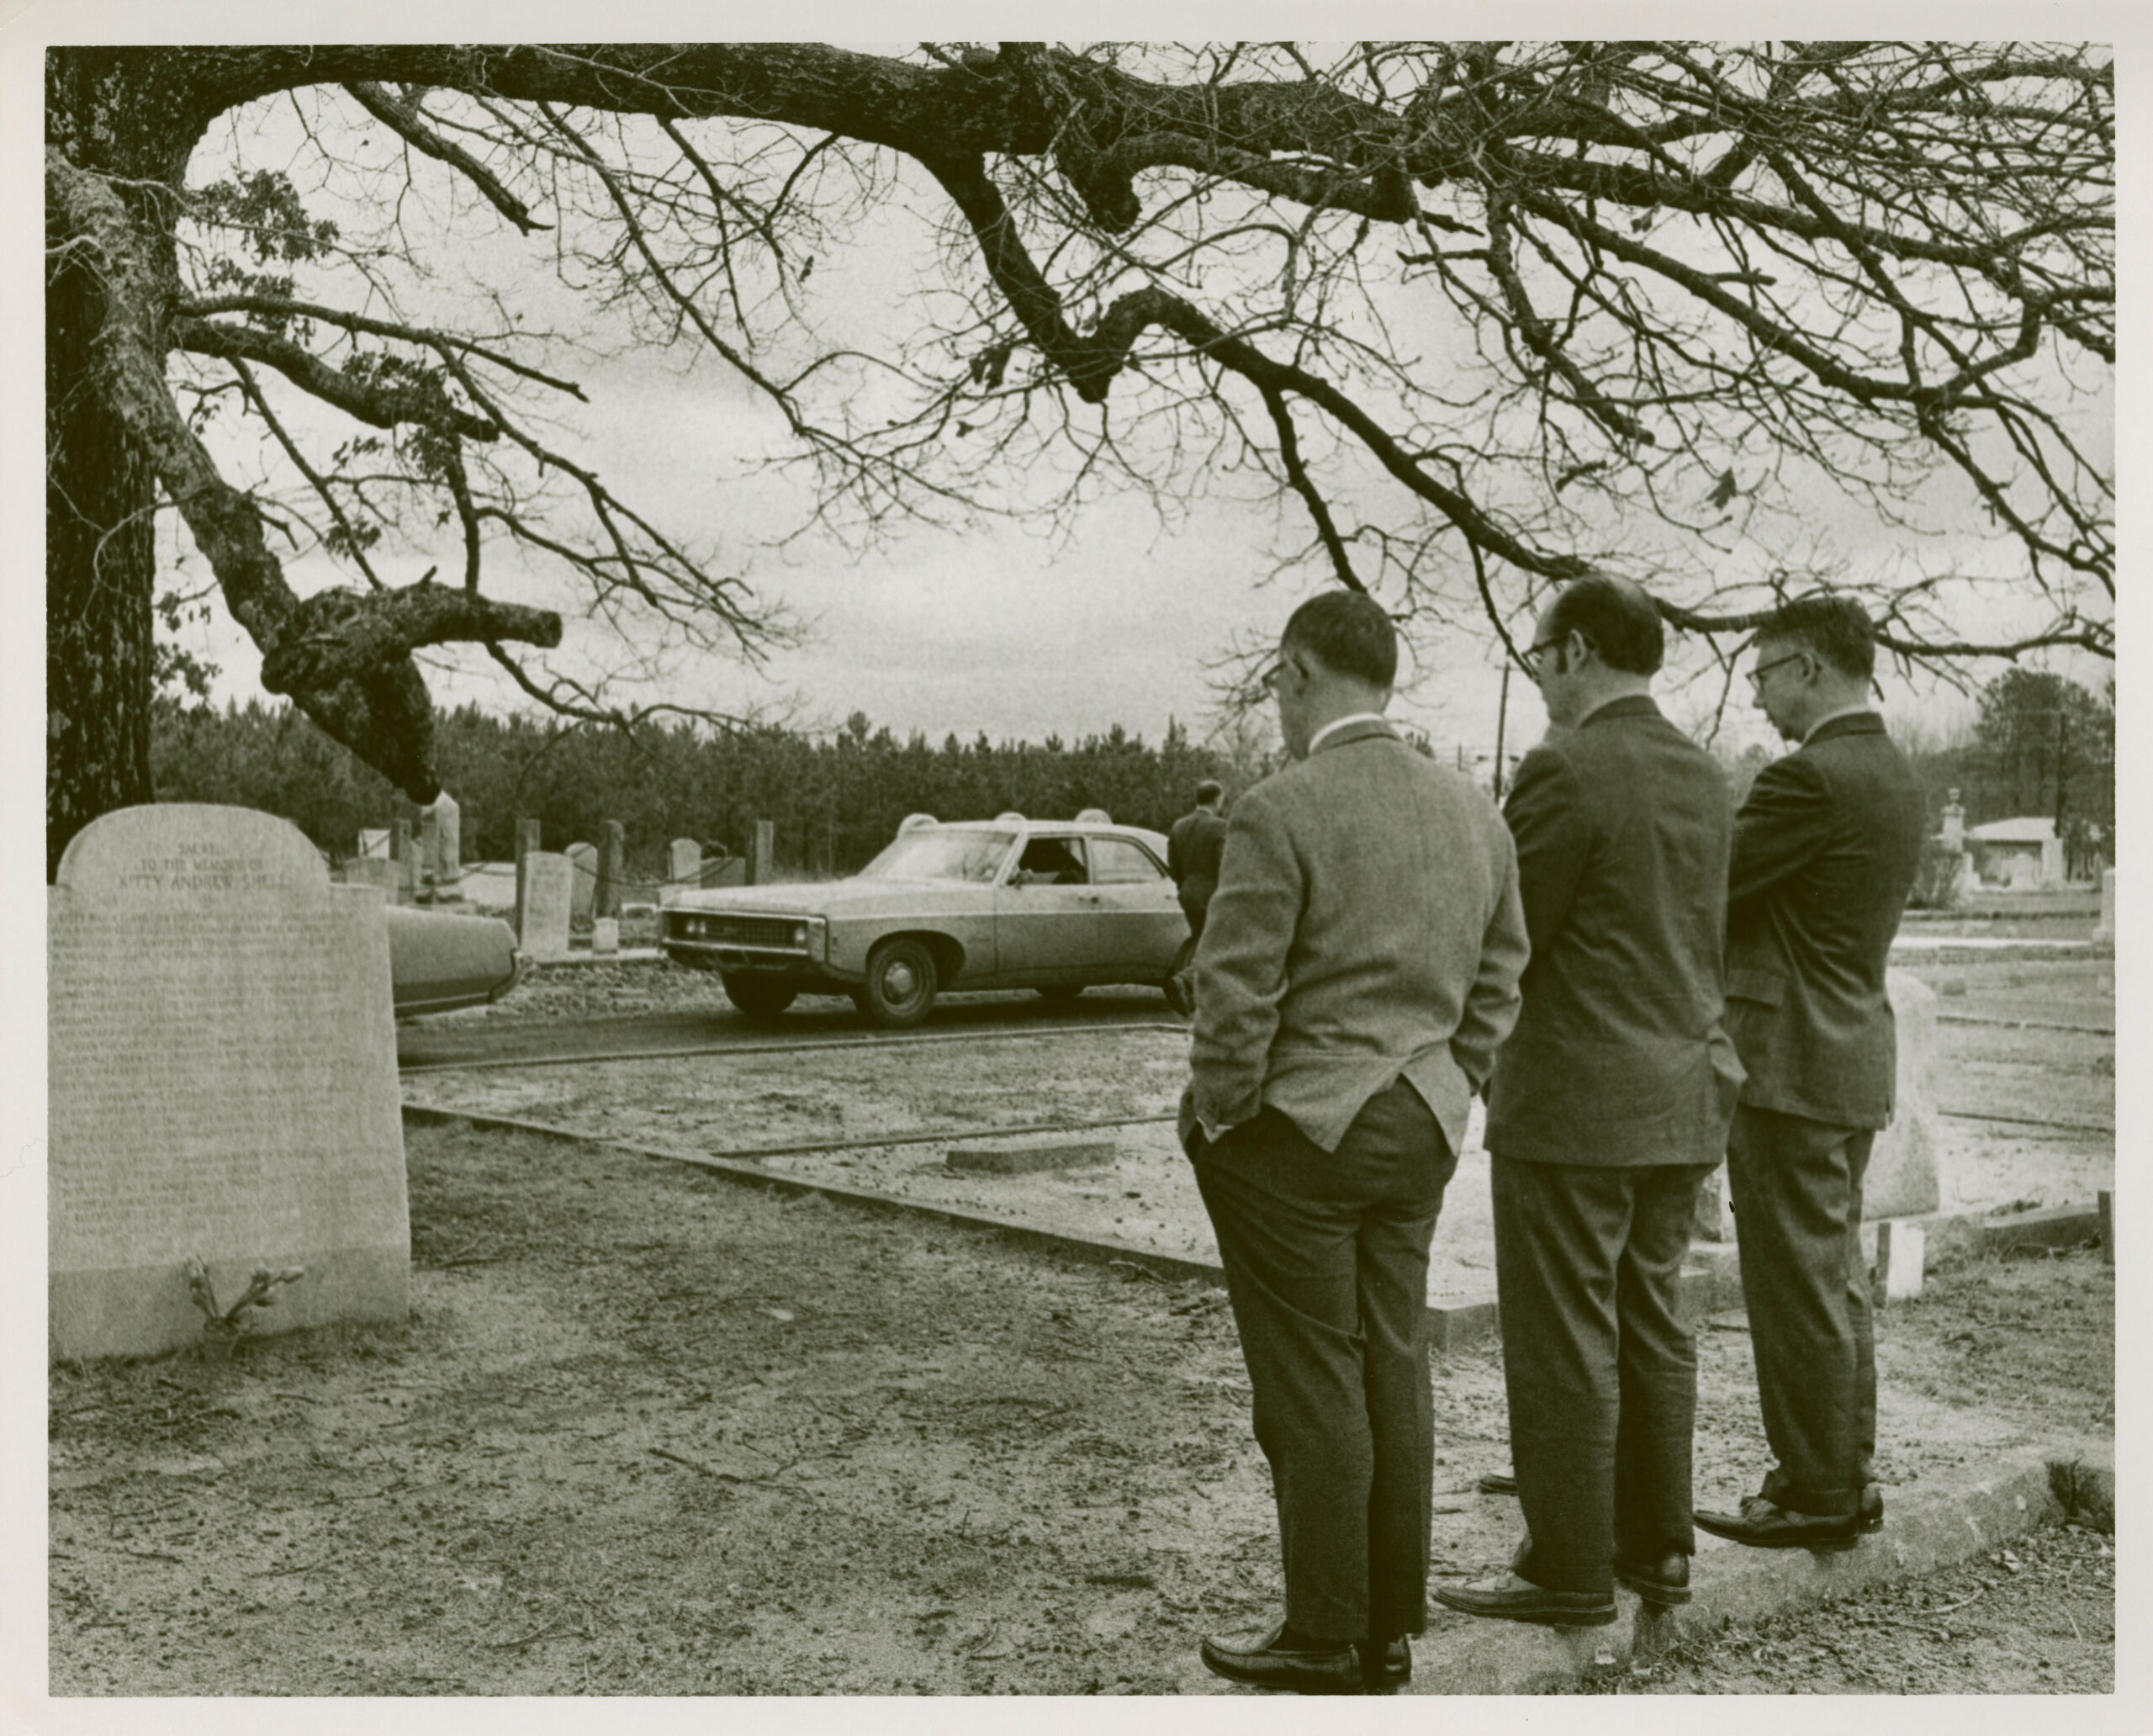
point(1825, 850)
point(1366, 927)
point(1620, 1056)
point(1193, 849)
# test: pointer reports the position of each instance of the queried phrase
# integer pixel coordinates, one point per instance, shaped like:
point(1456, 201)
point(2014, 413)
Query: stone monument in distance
point(222, 1062)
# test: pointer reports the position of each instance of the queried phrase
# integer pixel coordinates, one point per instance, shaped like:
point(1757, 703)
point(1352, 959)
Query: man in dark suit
point(1609, 1105)
point(1825, 850)
point(1358, 968)
point(1193, 847)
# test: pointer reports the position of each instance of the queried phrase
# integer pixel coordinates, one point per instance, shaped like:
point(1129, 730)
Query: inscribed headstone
point(542, 924)
point(582, 894)
point(222, 1064)
point(684, 860)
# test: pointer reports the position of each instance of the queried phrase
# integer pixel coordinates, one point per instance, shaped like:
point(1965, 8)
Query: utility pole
point(1502, 717)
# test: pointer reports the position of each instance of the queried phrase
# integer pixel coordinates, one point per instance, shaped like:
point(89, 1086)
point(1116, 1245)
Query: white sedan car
point(1052, 905)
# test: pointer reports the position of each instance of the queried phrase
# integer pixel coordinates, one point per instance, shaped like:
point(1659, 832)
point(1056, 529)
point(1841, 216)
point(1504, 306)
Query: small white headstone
point(1903, 1179)
point(373, 841)
point(684, 860)
point(222, 1066)
point(604, 934)
point(1904, 1252)
point(542, 923)
point(582, 897)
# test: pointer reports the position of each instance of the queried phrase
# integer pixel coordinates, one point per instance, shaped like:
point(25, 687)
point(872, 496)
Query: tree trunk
point(100, 573)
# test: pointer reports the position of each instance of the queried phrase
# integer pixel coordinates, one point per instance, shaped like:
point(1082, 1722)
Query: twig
point(512, 1645)
point(154, 1555)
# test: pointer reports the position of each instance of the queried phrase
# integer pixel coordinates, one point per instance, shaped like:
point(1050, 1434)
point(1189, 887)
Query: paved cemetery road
point(458, 1040)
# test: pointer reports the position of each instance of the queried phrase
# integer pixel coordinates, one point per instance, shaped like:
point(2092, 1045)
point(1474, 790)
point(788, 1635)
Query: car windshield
point(930, 854)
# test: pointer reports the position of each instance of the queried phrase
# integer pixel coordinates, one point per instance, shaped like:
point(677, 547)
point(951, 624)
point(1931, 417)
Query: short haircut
point(1837, 629)
point(1210, 790)
point(1348, 633)
point(1614, 616)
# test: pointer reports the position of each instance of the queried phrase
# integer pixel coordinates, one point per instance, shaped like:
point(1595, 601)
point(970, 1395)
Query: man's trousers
point(1601, 1374)
point(1327, 1259)
point(1797, 1188)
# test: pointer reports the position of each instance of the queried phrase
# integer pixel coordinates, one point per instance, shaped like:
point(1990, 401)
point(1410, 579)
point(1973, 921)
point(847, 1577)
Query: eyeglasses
point(1757, 674)
point(1534, 650)
point(1269, 680)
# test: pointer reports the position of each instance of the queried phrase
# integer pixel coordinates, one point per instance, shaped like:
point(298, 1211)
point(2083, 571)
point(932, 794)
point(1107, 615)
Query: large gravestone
point(222, 1063)
point(583, 891)
point(542, 923)
point(1905, 1163)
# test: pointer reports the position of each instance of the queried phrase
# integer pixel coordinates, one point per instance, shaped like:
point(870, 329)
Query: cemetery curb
point(1450, 1328)
point(1923, 1533)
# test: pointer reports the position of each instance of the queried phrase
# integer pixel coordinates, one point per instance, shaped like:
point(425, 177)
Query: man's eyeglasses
point(1269, 680)
point(1757, 674)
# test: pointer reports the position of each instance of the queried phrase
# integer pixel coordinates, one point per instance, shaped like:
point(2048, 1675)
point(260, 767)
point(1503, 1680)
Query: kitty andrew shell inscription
point(223, 1082)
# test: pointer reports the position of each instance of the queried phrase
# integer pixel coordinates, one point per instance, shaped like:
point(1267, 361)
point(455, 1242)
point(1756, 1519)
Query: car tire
point(760, 998)
point(1059, 994)
point(901, 981)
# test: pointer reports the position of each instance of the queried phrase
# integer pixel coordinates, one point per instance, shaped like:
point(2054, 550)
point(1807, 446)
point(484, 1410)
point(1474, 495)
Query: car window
point(1052, 861)
point(1121, 861)
point(929, 853)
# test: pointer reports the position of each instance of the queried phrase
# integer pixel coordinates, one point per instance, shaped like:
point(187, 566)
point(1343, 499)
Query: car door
point(1046, 915)
point(1139, 917)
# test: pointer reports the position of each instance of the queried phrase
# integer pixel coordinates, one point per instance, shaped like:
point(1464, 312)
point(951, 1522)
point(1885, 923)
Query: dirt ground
point(650, 1433)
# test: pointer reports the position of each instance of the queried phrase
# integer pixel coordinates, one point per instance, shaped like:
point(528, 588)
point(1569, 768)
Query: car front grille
point(765, 931)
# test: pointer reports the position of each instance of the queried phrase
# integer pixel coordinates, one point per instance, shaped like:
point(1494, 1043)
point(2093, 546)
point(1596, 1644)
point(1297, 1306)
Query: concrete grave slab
point(222, 1069)
point(1029, 1156)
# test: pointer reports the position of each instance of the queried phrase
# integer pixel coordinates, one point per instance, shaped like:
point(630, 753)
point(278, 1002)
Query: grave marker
point(222, 1065)
point(542, 923)
point(583, 892)
point(684, 861)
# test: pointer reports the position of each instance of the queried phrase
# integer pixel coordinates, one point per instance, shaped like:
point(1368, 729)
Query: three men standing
point(1825, 850)
point(1609, 1104)
point(1358, 971)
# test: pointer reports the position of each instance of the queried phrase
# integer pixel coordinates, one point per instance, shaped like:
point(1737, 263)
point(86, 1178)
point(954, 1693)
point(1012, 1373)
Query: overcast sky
point(1001, 627)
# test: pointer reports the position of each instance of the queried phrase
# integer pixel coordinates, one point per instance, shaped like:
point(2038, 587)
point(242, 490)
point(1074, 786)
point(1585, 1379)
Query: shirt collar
point(1336, 724)
point(1852, 710)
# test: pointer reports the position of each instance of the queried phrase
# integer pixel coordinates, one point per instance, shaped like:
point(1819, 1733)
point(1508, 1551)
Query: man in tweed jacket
point(1358, 971)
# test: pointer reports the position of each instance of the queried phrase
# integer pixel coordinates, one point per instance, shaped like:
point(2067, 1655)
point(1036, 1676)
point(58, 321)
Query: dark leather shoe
point(1259, 1660)
point(1496, 1483)
point(1872, 1508)
point(1512, 1599)
point(1662, 1583)
point(1390, 1665)
point(1765, 1524)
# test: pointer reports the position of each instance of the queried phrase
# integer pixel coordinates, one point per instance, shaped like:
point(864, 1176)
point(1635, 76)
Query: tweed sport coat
point(1366, 927)
point(1620, 1056)
point(1825, 850)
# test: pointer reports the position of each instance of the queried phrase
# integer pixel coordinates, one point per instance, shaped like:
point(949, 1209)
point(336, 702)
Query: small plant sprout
point(221, 1326)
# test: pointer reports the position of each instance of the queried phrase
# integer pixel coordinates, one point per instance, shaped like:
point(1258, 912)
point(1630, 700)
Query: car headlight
point(800, 934)
point(815, 935)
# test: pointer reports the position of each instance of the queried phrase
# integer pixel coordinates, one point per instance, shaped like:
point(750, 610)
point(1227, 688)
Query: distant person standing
point(1825, 850)
point(1193, 849)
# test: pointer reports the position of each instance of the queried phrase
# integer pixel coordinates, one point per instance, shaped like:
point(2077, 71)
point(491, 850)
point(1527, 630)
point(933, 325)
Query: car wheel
point(1059, 994)
point(760, 998)
point(901, 983)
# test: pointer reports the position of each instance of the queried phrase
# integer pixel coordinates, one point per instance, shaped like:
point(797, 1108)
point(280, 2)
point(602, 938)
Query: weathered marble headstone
point(1904, 1177)
point(604, 934)
point(373, 841)
point(582, 894)
point(542, 924)
point(684, 860)
point(222, 1065)
point(2107, 928)
point(442, 856)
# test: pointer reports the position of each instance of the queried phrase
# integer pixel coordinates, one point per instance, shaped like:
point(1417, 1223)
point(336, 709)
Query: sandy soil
point(650, 1433)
